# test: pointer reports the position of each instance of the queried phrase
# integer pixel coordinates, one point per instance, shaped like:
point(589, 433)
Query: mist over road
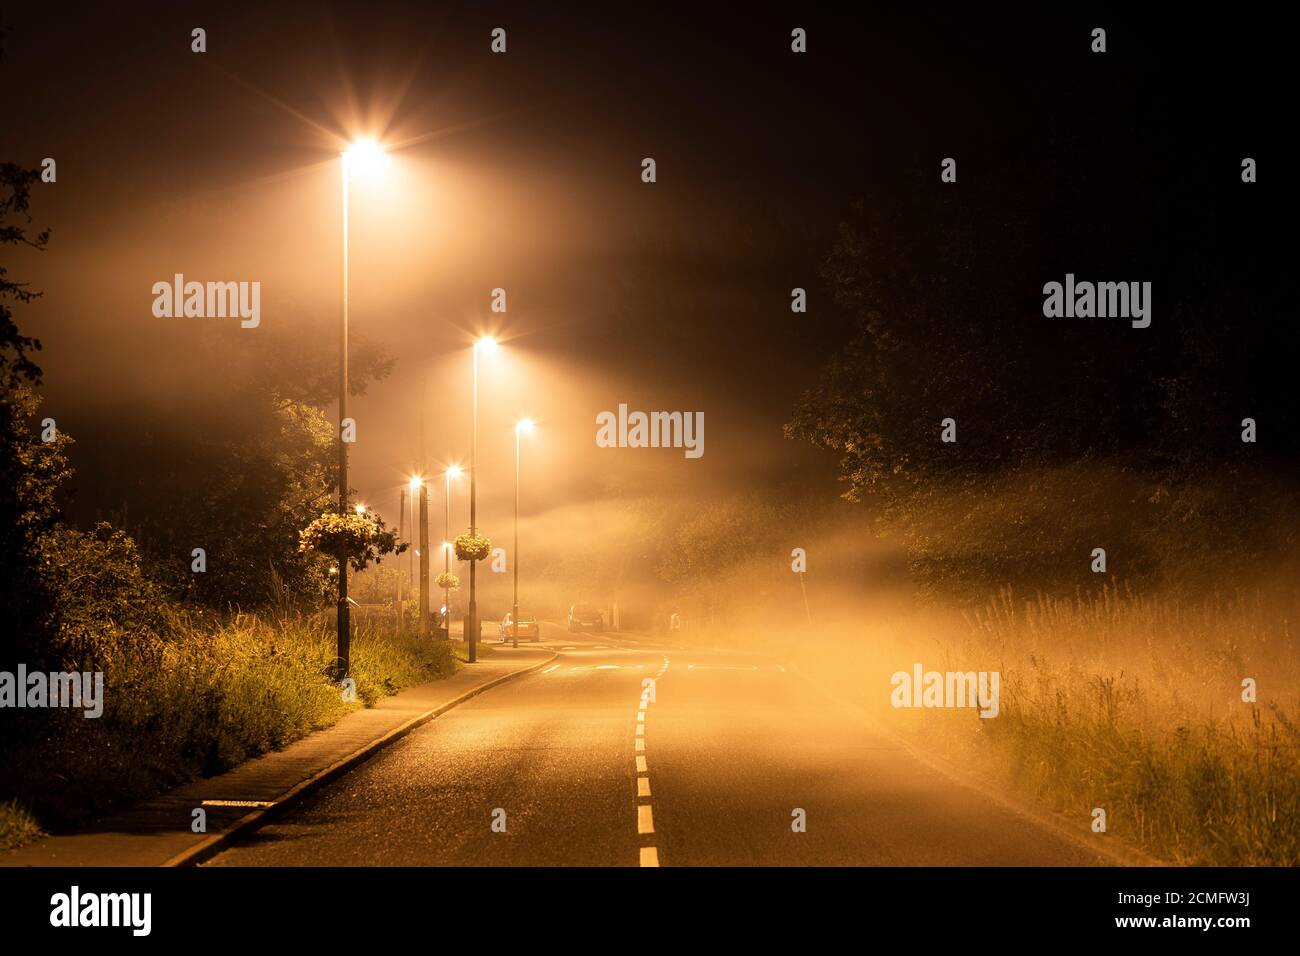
point(732, 746)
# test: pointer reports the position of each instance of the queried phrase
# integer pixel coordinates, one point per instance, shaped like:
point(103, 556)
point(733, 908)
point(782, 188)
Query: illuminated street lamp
point(523, 426)
point(362, 158)
point(471, 618)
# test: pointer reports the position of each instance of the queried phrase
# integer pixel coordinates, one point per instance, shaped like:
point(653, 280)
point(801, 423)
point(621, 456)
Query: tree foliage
point(30, 469)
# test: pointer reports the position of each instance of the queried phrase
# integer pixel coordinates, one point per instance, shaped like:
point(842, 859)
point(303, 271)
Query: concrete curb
point(214, 844)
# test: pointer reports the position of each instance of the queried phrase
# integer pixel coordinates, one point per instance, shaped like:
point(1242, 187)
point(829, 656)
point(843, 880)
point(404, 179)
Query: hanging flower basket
point(472, 547)
point(447, 581)
point(339, 536)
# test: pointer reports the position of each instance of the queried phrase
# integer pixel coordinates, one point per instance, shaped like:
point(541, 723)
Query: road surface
point(570, 767)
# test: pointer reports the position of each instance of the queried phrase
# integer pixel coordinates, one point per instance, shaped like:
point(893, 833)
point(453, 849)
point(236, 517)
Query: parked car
point(529, 629)
point(584, 617)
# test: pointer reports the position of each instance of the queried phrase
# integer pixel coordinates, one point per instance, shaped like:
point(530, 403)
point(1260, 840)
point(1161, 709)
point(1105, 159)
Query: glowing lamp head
point(416, 483)
point(485, 344)
point(454, 471)
point(361, 509)
point(365, 159)
point(525, 425)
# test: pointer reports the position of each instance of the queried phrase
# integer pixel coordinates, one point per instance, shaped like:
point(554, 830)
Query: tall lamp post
point(362, 156)
point(414, 541)
point(522, 426)
point(452, 472)
point(425, 591)
point(401, 525)
point(471, 617)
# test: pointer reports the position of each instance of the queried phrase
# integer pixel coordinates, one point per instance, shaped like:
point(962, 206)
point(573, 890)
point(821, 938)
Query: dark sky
point(522, 171)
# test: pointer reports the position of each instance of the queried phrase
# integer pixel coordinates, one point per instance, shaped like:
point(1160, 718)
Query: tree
point(30, 469)
point(243, 481)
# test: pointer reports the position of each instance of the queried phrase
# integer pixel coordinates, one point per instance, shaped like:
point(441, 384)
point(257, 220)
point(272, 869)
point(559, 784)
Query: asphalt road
point(559, 769)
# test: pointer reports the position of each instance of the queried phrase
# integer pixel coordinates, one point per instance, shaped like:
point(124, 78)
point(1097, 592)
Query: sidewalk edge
point(215, 843)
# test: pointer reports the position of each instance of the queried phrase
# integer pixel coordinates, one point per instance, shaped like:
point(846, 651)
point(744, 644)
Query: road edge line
point(1124, 855)
point(214, 844)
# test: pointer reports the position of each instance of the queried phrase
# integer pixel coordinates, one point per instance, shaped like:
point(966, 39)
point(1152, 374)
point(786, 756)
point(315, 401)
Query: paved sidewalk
point(157, 832)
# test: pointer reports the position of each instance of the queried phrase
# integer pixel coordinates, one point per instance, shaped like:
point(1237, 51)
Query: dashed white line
point(645, 821)
point(549, 669)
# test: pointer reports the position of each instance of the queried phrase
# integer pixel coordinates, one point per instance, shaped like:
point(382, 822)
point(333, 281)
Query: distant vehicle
point(529, 629)
point(584, 617)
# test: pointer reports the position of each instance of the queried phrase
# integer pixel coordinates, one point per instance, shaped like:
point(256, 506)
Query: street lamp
point(453, 471)
point(364, 157)
point(471, 619)
point(524, 425)
point(415, 484)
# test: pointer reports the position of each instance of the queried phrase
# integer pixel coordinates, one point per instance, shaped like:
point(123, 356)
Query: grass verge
point(215, 694)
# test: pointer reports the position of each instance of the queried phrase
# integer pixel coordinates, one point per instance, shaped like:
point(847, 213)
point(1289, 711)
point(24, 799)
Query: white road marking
point(238, 803)
point(551, 668)
point(606, 667)
point(599, 647)
point(645, 821)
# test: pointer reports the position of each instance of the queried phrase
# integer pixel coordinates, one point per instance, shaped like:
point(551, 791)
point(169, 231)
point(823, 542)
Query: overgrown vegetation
point(205, 696)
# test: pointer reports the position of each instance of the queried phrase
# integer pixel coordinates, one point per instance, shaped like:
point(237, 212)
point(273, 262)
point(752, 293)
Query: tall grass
point(1129, 702)
point(215, 693)
point(1134, 704)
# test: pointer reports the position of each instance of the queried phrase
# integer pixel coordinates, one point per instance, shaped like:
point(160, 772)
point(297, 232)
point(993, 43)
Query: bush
point(106, 608)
